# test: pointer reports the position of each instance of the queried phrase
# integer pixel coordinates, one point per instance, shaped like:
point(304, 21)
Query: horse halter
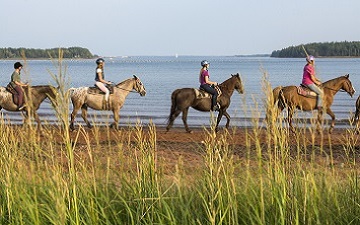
point(138, 86)
point(350, 86)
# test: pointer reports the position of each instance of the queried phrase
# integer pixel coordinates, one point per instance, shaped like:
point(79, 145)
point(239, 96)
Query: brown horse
point(182, 99)
point(288, 97)
point(82, 99)
point(34, 96)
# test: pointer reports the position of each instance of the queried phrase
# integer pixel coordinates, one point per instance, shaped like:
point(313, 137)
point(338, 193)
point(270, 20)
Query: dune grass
point(290, 180)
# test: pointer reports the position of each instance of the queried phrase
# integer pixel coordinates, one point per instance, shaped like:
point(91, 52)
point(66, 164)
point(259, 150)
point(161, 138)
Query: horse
point(80, 98)
point(355, 120)
point(34, 96)
point(288, 97)
point(184, 98)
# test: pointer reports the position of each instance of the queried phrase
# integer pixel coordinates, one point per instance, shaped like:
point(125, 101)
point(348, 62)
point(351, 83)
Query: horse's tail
point(173, 101)
point(70, 91)
point(170, 119)
point(275, 105)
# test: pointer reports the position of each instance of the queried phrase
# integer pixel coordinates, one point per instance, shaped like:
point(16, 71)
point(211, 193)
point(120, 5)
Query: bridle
point(138, 82)
point(340, 90)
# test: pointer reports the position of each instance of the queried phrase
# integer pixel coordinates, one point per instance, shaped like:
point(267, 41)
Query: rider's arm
point(102, 80)
point(209, 82)
point(315, 79)
point(20, 83)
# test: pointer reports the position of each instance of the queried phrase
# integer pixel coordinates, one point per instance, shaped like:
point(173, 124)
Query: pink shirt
point(203, 74)
point(308, 71)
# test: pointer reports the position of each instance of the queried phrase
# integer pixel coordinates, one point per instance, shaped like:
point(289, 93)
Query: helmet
point(100, 60)
point(310, 58)
point(204, 63)
point(17, 65)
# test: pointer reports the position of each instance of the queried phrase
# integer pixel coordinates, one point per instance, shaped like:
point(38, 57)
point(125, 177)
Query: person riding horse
point(16, 84)
point(311, 81)
point(208, 85)
point(100, 78)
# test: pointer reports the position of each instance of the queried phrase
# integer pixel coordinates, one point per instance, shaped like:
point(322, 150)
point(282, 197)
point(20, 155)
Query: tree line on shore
point(72, 52)
point(325, 49)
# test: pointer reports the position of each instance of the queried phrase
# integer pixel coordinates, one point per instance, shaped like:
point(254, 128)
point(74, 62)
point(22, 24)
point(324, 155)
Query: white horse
point(84, 97)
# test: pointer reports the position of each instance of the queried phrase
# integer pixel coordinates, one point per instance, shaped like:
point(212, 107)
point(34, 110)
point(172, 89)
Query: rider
point(99, 78)
point(17, 84)
point(208, 85)
point(311, 81)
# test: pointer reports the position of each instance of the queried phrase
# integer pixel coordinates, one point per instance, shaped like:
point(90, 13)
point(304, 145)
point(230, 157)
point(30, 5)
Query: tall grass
point(81, 178)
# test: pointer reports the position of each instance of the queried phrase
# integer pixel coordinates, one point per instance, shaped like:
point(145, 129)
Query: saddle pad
point(96, 90)
point(200, 93)
point(306, 92)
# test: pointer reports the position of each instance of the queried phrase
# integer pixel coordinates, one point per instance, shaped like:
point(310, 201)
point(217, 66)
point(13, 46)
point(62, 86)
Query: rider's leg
point(319, 92)
point(102, 87)
point(20, 96)
point(212, 91)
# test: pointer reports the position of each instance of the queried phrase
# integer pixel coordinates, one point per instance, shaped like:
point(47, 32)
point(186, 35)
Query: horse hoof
point(190, 131)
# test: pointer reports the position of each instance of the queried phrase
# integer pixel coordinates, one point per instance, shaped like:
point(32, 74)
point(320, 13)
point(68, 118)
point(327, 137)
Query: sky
point(183, 27)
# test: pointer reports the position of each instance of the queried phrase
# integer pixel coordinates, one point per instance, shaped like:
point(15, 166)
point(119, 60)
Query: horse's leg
point(184, 118)
point(116, 118)
point(172, 118)
point(37, 119)
point(332, 115)
point(84, 115)
point(290, 115)
point(320, 120)
point(221, 113)
point(73, 115)
point(227, 119)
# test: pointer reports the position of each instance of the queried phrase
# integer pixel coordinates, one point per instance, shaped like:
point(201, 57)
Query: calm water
point(162, 75)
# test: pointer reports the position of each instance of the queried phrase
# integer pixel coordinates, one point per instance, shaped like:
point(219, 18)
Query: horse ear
point(135, 77)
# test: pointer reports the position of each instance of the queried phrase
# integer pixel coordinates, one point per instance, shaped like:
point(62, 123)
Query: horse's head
point(139, 86)
point(238, 84)
point(347, 86)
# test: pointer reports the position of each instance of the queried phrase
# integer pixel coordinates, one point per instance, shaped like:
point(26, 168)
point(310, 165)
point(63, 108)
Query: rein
point(126, 89)
point(340, 90)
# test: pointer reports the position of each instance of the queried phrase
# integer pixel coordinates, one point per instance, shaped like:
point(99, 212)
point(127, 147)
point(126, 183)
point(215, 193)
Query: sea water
point(161, 75)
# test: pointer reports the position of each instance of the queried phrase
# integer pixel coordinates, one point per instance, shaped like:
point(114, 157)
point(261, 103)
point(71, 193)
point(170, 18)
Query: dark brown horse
point(34, 96)
point(182, 99)
point(80, 98)
point(287, 97)
point(355, 120)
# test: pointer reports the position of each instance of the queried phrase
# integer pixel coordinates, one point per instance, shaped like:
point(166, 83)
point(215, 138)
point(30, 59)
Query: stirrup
point(22, 107)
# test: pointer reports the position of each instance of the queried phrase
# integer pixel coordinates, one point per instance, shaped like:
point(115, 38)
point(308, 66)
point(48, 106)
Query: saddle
point(14, 93)
point(95, 90)
point(10, 89)
point(201, 93)
point(305, 91)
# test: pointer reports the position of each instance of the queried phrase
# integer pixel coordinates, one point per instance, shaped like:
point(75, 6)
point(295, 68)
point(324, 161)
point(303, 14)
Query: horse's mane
point(229, 80)
point(124, 81)
point(333, 80)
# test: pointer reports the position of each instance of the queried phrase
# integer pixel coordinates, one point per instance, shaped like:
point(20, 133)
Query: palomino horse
point(182, 99)
point(34, 96)
point(289, 97)
point(80, 98)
